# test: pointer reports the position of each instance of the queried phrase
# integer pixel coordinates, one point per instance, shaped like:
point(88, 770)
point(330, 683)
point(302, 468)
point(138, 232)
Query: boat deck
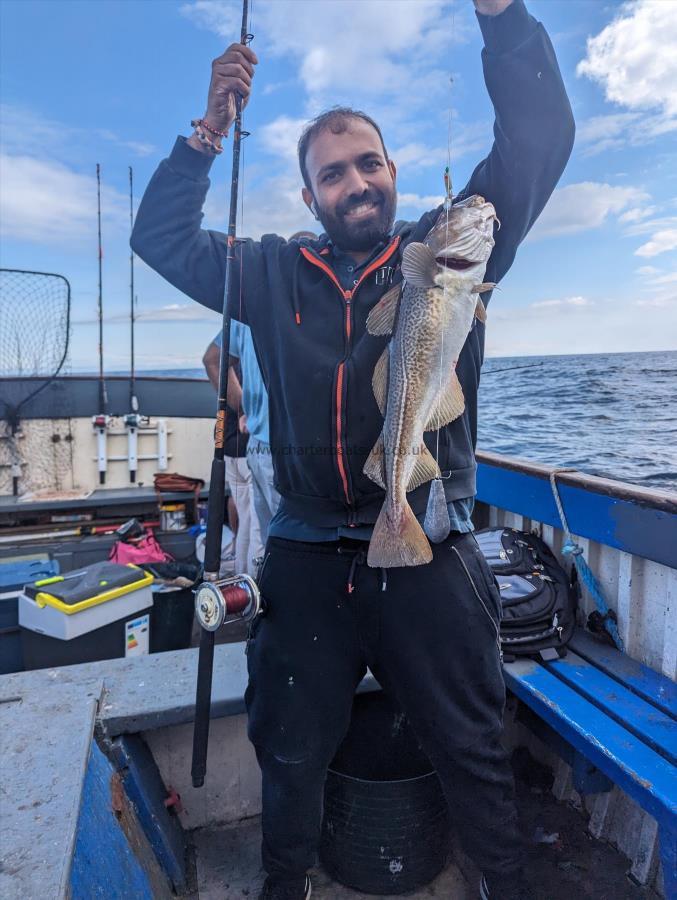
point(227, 862)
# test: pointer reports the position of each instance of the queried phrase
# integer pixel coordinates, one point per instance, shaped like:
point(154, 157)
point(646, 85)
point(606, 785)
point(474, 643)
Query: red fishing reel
point(227, 600)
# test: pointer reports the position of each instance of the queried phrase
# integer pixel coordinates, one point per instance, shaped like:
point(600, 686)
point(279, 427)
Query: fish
point(428, 316)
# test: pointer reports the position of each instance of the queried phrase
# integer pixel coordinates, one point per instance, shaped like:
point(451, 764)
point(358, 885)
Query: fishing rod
point(100, 421)
point(133, 401)
point(512, 368)
point(238, 595)
point(132, 420)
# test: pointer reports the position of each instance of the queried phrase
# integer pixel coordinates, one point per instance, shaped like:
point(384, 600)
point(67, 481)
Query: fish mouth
point(454, 263)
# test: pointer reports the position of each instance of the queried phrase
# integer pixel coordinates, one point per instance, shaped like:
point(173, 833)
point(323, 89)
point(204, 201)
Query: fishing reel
point(226, 600)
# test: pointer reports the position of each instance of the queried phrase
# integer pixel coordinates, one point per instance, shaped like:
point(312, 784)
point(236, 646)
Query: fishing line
point(447, 206)
point(243, 134)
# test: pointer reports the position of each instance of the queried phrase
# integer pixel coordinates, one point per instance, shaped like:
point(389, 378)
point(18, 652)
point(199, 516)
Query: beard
point(359, 236)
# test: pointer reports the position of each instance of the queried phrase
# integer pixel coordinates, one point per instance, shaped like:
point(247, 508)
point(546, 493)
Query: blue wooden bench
point(618, 722)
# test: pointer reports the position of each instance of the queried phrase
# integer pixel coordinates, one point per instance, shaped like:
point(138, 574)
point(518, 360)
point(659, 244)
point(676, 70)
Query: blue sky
point(115, 82)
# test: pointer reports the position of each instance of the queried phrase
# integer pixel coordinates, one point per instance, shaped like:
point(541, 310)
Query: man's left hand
point(491, 7)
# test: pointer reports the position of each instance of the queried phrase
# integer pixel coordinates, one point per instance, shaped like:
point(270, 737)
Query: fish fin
point(418, 265)
point(484, 287)
point(449, 405)
point(398, 541)
point(436, 523)
point(379, 380)
point(425, 469)
point(381, 319)
point(375, 466)
point(481, 310)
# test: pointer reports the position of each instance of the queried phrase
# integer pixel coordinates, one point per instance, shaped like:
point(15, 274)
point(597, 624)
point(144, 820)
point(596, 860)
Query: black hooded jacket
point(310, 335)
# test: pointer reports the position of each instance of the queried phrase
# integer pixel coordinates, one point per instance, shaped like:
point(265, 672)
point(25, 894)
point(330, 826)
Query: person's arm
point(167, 232)
point(211, 361)
point(533, 129)
point(234, 389)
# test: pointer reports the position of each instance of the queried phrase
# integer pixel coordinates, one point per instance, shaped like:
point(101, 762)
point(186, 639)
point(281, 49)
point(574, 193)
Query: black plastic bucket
point(386, 825)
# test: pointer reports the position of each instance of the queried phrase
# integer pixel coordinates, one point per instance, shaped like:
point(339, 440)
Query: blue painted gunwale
point(637, 520)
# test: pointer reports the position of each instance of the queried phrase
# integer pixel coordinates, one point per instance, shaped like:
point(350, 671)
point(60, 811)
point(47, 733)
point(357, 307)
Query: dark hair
point(335, 120)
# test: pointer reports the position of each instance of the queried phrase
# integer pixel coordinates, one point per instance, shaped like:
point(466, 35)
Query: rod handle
point(215, 515)
point(203, 702)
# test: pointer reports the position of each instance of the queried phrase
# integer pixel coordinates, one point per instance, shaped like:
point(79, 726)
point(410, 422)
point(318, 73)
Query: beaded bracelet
point(208, 142)
point(205, 124)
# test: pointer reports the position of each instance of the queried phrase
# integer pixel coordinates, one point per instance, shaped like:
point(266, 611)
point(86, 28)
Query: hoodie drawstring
point(359, 559)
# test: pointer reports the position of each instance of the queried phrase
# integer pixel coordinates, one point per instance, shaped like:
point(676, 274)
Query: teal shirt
point(254, 394)
point(292, 529)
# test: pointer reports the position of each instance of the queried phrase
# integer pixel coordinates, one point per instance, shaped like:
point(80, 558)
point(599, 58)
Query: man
point(251, 398)
point(240, 507)
point(431, 637)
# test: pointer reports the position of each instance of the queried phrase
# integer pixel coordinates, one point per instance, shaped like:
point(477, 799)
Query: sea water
point(612, 414)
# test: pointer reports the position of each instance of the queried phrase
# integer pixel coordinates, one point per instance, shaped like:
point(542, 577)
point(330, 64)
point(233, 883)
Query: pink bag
point(146, 550)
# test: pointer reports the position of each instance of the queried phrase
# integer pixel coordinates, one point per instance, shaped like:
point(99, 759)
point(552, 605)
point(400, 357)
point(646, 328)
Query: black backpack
point(539, 599)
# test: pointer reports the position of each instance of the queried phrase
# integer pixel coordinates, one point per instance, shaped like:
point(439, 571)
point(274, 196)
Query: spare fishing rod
point(132, 420)
point(511, 369)
point(237, 596)
point(100, 421)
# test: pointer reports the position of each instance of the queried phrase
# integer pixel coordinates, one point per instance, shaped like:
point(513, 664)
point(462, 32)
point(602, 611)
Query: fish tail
point(398, 539)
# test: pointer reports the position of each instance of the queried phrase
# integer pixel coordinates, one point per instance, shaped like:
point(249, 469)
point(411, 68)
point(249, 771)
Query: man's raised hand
point(232, 73)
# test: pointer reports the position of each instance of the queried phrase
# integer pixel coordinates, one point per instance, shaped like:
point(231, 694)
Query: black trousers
point(431, 640)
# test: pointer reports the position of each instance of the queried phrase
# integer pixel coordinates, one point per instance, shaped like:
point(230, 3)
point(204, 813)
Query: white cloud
point(661, 241)
point(637, 214)
point(612, 131)
point(177, 312)
point(633, 59)
point(417, 202)
point(25, 132)
point(658, 302)
point(647, 270)
point(563, 302)
point(612, 325)
point(472, 138)
point(582, 206)
point(281, 137)
point(221, 17)
point(344, 48)
point(668, 278)
point(46, 202)
point(169, 312)
point(364, 53)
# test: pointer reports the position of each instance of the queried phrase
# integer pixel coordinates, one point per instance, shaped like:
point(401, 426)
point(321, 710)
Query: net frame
point(64, 354)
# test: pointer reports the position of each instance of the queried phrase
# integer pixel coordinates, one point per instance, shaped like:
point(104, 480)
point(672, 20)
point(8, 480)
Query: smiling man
point(428, 633)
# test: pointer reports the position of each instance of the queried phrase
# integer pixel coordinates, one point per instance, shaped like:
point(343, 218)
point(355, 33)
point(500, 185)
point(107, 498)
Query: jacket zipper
point(348, 297)
point(496, 628)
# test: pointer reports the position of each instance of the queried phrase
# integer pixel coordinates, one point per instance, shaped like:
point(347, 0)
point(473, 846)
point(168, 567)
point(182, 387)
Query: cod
point(415, 384)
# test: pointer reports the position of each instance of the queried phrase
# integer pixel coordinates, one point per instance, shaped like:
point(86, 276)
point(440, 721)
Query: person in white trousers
point(242, 518)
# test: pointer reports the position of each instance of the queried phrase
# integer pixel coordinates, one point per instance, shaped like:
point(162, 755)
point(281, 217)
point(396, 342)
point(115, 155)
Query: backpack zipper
point(524, 639)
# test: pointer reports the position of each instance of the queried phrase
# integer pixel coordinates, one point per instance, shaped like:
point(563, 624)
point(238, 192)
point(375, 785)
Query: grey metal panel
point(77, 396)
point(135, 695)
point(46, 731)
point(129, 501)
